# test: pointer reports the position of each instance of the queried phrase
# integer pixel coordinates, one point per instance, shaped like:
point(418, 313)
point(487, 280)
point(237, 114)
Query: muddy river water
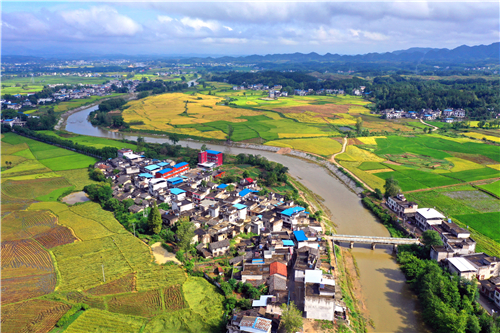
point(390, 303)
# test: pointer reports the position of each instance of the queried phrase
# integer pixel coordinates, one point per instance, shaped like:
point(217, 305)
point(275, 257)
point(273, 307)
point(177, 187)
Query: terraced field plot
point(493, 188)
point(320, 146)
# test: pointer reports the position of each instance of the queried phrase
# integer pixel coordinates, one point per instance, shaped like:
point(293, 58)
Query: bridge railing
point(371, 237)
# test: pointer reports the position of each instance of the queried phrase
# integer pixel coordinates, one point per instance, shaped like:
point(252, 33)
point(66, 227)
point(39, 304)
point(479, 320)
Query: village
point(286, 248)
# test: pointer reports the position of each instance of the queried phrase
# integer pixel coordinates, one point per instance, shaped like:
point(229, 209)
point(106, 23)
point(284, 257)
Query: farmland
point(55, 255)
point(210, 112)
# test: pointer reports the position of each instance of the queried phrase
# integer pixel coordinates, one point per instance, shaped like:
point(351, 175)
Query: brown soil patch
point(284, 151)
point(480, 159)
point(354, 141)
point(323, 110)
point(114, 112)
point(391, 162)
point(162, 255)
point(339, 140)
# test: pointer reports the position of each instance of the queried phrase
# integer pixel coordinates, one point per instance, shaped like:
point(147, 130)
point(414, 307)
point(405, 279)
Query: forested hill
point(460, 54)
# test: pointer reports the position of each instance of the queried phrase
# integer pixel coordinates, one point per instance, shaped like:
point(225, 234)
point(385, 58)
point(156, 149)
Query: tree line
point(104, 153)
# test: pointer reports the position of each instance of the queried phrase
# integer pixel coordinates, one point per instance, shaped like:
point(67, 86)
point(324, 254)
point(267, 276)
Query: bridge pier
point(351, 245)
point(373, 246)
point(395, 248)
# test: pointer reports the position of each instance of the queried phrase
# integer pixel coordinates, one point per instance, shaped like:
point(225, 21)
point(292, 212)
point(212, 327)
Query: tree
point(185, 233)
point(378, 194)
point(174, 138)
point(230, 188)
point(203, 147)
point(140, 143)
point(431, 238)
point(246, 174)
point(154, 219)
point(230, 131)
point(291, 318)
point(391, 187)
point(359, 125)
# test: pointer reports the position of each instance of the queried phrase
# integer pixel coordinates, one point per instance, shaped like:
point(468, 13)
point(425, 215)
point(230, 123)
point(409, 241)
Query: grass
point(91, 141)
point(319, 146)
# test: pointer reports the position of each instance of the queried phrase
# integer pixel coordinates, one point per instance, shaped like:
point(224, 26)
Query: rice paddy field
point(55, 255)
point(458, 176)
point(208, 113)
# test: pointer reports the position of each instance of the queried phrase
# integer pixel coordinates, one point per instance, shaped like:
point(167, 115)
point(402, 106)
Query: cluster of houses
point(285, 241)
point(277, 90)
point(448, 115)
point(458, 251)
point(82, 91)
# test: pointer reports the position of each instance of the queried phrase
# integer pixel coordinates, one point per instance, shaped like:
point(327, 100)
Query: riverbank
point(64, 117)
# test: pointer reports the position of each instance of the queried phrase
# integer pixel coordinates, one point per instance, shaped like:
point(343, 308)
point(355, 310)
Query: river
point(390, 303)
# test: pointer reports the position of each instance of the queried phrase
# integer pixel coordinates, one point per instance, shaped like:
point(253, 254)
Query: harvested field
point(155, 277)
point(78, 297)
point(24, 257)
point(26, 224)
point(32, 316)
point(56, 236)
point(145, 304)
point(119, 286)
point(174, 299)
point(26, 287)
point(320, 146)
point(475, 158)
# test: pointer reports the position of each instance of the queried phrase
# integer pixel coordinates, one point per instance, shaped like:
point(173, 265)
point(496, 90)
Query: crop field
point(319, 146)
point(480, 136)
point(95, 320)
point(93, 211)
point(56, 236)
point(77, 177)
point(371, 166)
point(174, 299)
point(32, 316)
point(75, 103)
point(146, 304)
point(54, 79)
point(477, 200)
point(24, 257)
point(486, 223)
point(460, 164)
point(204, 299)
point(78, 297)
point(24, 287)
point(493, 188)
point(156, 277)
point(25, 224)
point(119, 286)
point(30, 189)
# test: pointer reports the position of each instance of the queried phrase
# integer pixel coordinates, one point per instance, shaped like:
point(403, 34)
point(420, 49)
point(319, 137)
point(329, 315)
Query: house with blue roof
point(152, 169)
point(290, 216)
point(242, 210)
point(222, 186)
point(245, 192)
point(175, 181)
point(178, 194)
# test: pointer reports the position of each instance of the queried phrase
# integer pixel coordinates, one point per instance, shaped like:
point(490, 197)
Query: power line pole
point(103, 276)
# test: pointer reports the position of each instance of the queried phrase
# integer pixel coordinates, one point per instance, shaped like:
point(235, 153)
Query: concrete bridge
point(372, 240)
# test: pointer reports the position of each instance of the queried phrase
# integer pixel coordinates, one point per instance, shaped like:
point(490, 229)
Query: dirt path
point(332, 159)
point(433, 127)
point(474, 182)
point(162, 255)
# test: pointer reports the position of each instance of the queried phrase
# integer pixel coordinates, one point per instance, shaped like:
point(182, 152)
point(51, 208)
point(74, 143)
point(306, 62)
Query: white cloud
point(228, 28)
point(198, 24)
point(102, 20)
point(164, 19)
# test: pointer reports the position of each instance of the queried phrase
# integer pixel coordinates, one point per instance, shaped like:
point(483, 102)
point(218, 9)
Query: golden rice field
point(163, 112)
point(481, 136)
point(319, 146)
point(460, 164)
point(370, 140)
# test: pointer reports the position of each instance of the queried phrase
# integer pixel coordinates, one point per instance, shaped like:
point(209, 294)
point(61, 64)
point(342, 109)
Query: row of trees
point(160, 86)
point(104, 153)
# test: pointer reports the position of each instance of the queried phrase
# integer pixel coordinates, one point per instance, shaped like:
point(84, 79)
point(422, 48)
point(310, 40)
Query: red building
point(176, 170)
point(210, 156)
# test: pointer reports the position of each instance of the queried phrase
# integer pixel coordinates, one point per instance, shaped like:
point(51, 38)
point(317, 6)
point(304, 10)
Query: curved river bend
point(390, 303)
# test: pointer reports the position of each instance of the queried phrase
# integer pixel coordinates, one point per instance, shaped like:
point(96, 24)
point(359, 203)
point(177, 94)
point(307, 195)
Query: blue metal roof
point(222, 186)
point(175, 179)
point(288, 242)
point(448, 109)
point(244, 192)
point(300, 236)
point(147, 175)
point(257, 261)
point(151, 167)
point(292, 210)
point(163, 164)
point(177, 191)
point(179, 165)
point(164, 171)
point(239, 206)
point(8, 119)
point(213, 152)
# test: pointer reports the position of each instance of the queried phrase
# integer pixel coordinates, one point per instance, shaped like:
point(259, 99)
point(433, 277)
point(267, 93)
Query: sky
point(242, 28)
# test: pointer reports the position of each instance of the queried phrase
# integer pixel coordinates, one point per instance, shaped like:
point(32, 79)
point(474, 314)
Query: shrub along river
point(391, 305)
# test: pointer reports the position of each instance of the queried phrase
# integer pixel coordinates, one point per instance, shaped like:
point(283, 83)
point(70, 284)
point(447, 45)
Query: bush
point(67, 316)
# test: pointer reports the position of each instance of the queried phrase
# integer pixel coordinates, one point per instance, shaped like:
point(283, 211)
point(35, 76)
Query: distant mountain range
point(460, 54)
